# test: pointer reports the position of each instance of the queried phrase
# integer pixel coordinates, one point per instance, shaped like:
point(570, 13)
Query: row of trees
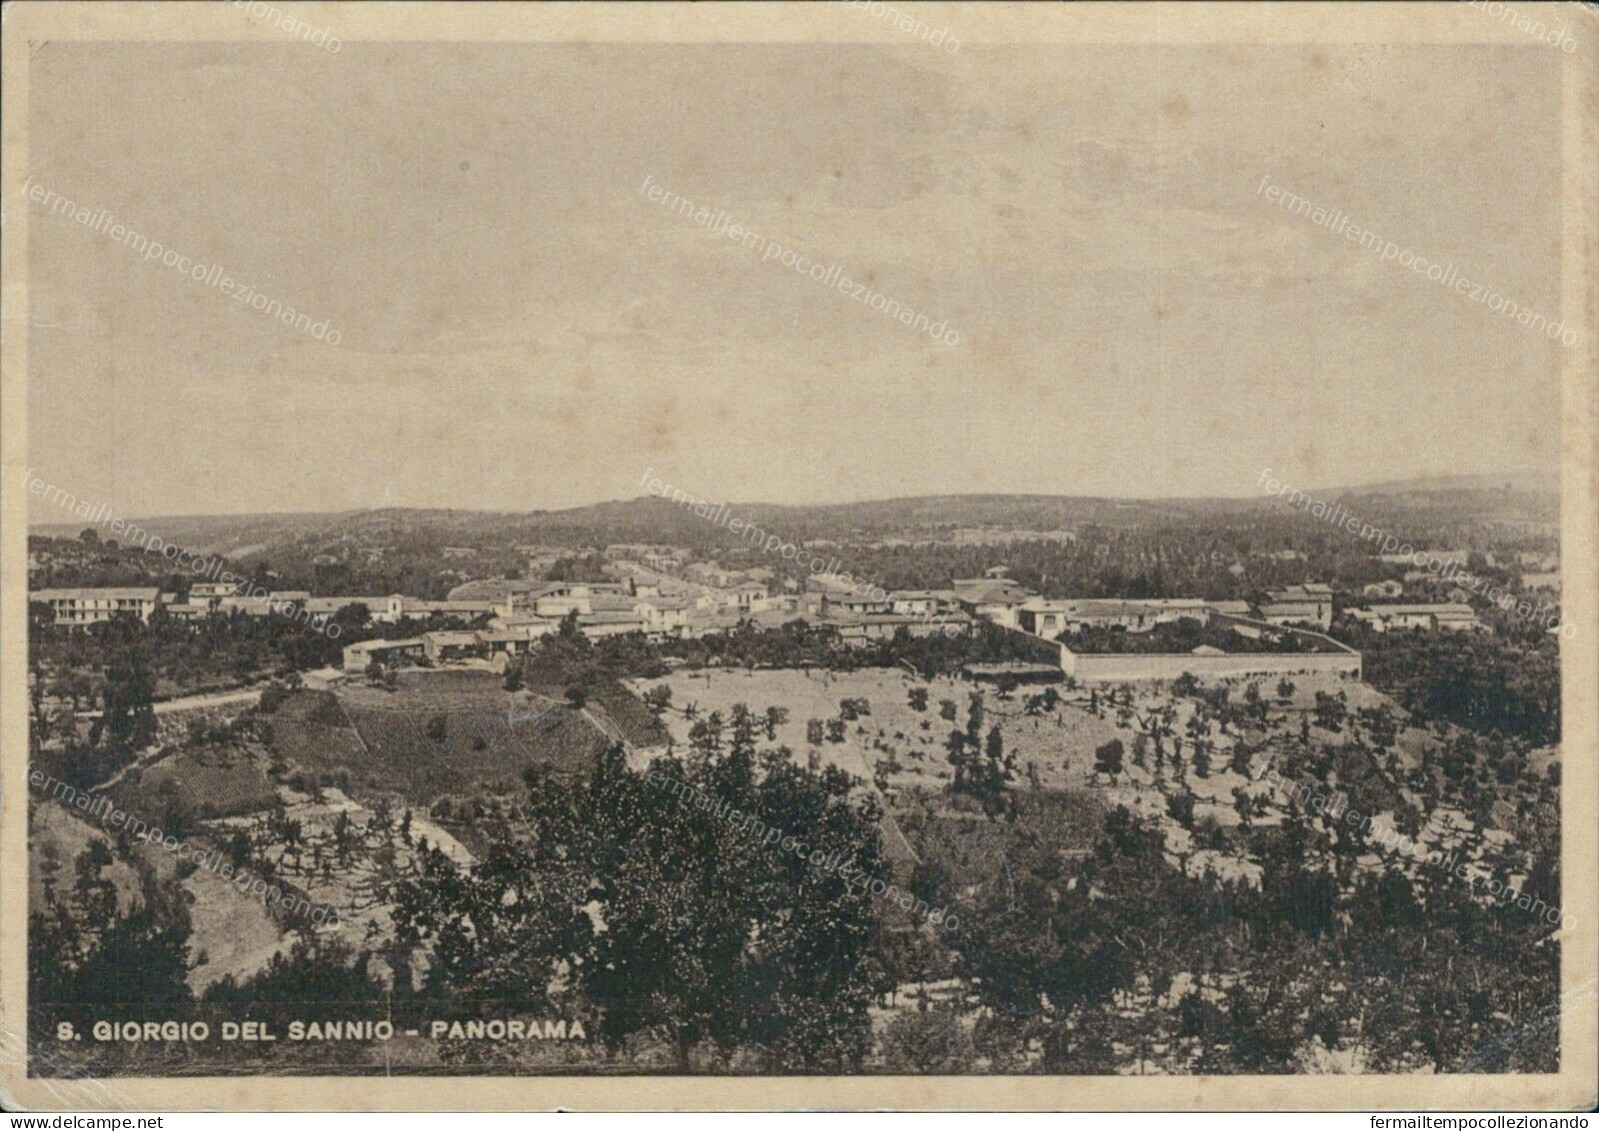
point(714, 945)
point(642, 904)
point(1479, 681)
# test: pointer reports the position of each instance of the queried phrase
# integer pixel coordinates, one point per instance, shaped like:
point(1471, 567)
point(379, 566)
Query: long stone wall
point(1131, 668)
point(1035, 648)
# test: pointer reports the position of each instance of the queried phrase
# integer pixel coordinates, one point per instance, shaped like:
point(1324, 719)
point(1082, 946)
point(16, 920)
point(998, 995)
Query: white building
point(1051, 618)
point(76, 607)
point(358, 656)
point(1310, 604)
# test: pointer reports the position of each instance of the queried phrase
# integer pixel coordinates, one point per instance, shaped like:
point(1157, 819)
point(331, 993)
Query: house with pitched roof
point(1310, 603)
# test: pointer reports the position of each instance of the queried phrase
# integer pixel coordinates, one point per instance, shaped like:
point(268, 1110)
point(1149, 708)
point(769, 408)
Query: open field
point(57, 834)
point(1054, 749)
point(233, 933)
point(1060, 744)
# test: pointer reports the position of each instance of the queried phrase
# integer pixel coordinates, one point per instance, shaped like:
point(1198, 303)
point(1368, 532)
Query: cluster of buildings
point(81, 607)
point(1430, 618)
point(658, 591)
point(861, 615)
point(996, 598)
point(1051, 618)
point(707, 598)
point(1305, 610)
point(214, 597)
point(697, 603)
point(703, 598)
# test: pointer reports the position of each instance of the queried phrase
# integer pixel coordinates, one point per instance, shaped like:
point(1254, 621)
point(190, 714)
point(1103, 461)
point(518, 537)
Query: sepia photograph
point(857, 554)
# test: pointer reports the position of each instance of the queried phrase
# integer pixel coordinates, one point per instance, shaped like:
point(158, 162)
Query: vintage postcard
point(799, 555)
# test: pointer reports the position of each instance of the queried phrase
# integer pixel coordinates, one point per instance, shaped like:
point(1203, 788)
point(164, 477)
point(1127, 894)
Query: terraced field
point(635, 722)
point(450, 734)
point(208, 781)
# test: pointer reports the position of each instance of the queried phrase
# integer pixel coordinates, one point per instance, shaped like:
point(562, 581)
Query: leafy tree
point(743, 732)
point(272, 698)
point(1108, 759)
point(711, 940)
point(1407, 820)
point(928, 1040)
point(85, 950)
point(1042, 703)
point(974, 717)
point(1484, 682)
point(346, 837)
point(127, 724)
point(658, 698)
point(1329, 711)
point(1042, 954)
point(239, 848)
point(705, 735)
point(981, 770)
point(313, 970)
point(1244, 805)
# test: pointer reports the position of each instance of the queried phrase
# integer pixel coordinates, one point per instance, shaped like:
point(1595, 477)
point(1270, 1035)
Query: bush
point(272, 698)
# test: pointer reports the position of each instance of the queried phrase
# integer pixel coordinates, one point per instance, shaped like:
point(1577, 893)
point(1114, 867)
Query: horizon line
point(1419, 480)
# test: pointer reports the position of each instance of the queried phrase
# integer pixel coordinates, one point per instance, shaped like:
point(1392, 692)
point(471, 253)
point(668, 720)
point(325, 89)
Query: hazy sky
point(522, 328)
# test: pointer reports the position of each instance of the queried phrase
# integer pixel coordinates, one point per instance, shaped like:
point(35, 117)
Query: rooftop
point(991, 592)
point(448, 638)
point(112, 594)
point(1419, 610)
point(608, 618)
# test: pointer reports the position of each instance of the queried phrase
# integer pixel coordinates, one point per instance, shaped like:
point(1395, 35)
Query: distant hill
point(653, 519)
point(1528, 501)
point(1535, 482)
